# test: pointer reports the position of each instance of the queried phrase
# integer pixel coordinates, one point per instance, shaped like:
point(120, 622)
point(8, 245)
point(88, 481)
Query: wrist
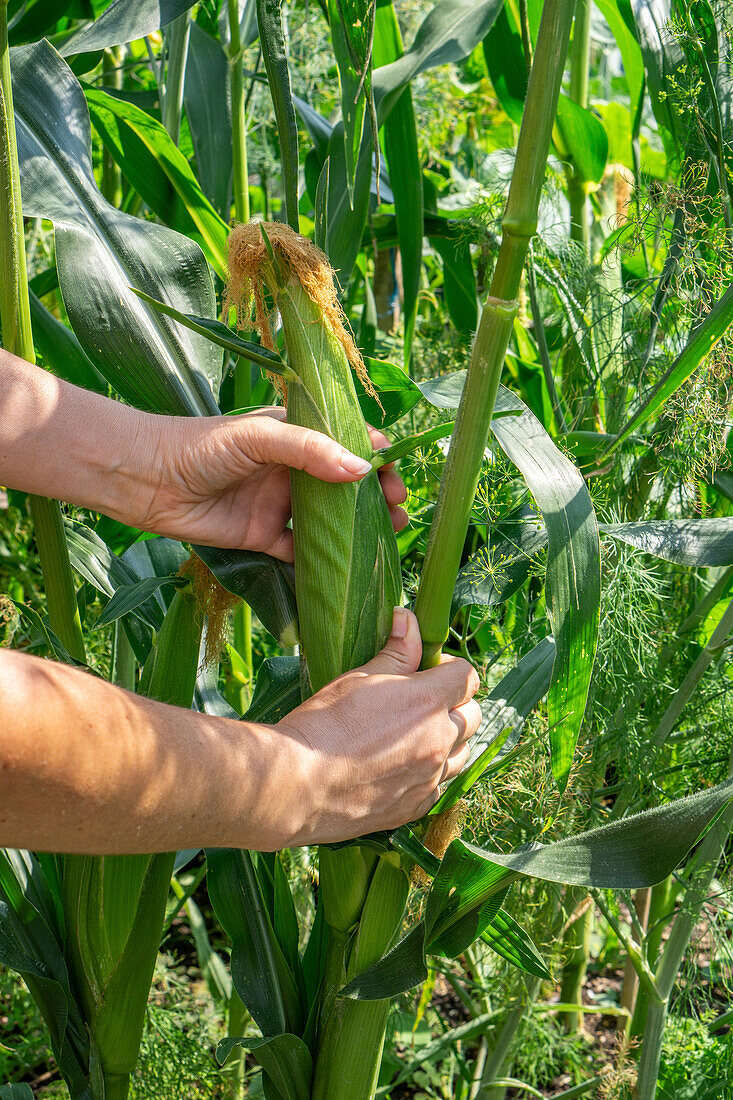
point(130, 474)
point(273, 779)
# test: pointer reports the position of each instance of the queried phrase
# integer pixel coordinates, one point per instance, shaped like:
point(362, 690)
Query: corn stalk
point(471, 433)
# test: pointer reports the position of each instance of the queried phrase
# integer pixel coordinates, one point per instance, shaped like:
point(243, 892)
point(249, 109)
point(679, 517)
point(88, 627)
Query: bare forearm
point(88, 768)
point(60, 441)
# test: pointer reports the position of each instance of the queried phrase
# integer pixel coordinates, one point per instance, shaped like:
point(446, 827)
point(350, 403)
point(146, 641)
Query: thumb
point(403, 652)
point(305, 449)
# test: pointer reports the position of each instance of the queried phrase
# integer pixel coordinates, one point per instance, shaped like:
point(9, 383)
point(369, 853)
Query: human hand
point(224, 481)
point(378, 741)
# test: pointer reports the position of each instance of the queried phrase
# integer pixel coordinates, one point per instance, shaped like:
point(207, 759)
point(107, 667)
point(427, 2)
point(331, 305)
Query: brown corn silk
point(347, 569)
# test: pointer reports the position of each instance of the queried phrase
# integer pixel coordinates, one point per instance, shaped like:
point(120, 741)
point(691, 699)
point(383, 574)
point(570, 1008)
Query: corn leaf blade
point(124, 22)
point(573, 583)
point(152, 162)
point(100, 252)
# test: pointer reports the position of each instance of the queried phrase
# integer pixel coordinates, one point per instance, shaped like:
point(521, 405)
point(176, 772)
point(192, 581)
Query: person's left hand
point(224, 481)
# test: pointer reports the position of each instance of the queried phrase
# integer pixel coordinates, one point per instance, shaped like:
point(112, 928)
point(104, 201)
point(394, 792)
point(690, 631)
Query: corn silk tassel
point(348, 580)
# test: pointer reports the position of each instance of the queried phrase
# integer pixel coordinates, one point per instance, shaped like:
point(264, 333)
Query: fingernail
point(355, 465)
point(399, 623)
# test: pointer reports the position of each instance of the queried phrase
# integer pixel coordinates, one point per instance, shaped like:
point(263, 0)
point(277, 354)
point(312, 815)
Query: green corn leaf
point(410, 443)
point(260, 972)
point(129, 598)
point(124, 22)
point(100, 252)
point(277, 690)
point(266, 584)
point(16, 1092)
point(405, 173)
point(354, 86)
point(152, 162)
point(107, 572)
point(629, 854)
point(205, 95)
point(628, 45)
point(221, 335)
point(36, 20)
point(510, 940)
point(573, 582)
point(61, 351)
point(581, 136)
point(693, 542)
point(396, 391)
point(445, 392)
point(448, 33)
point(129, 949)
point(506, 63)
point(347, 214)
point(284, 1058)
point(284, 916)
point(272, 40)
point(320, 233)
point(31, 932)
point(53, 643)
point(459, 283)
point(115, 906)
point(662, 58)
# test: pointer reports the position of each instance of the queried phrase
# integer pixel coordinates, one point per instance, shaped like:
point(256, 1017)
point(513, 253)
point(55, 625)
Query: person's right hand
point(380, 740)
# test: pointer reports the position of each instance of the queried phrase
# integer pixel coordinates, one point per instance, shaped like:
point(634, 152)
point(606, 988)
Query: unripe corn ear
point(347, 569)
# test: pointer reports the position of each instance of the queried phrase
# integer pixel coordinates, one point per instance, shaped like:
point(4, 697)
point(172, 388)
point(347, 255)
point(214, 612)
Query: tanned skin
point(87, 767)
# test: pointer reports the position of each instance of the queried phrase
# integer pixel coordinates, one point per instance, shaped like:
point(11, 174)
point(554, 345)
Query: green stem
point(243, 372)
point(237, 1019)
point(58, 581)
point(177, 35)
point(124, 662)
point(576, 964)
point(15, 315)
point(111, 172)
point(116, 1086)
point(463, 468)
point(14, 302)
point(461, 476)
point(239, 121)
point(579, 74)
point(526, 35)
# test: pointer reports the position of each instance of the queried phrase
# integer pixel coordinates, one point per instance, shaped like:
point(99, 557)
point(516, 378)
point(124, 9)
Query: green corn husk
point(348, 580)
point(347, 567)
